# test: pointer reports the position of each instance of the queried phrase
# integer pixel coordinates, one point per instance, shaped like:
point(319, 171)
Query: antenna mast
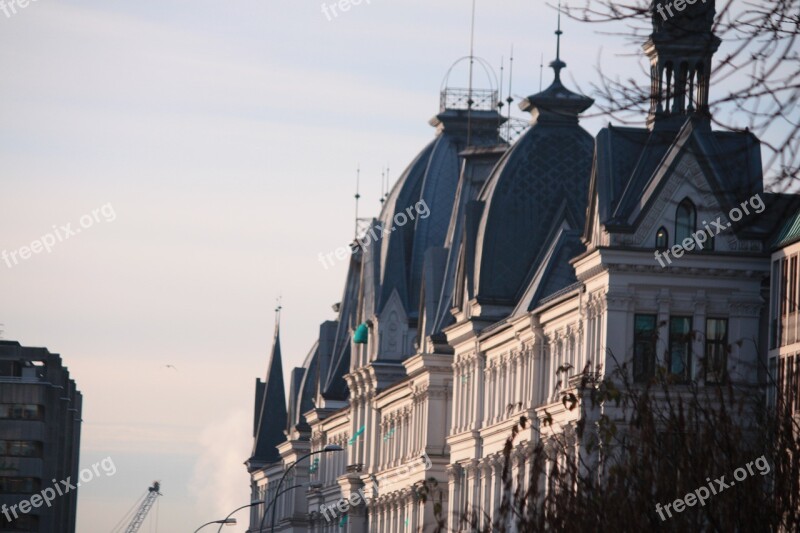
point(500, 103)
point(470, 102)
point(541, 72)
point(510, 99)
point(357, 197)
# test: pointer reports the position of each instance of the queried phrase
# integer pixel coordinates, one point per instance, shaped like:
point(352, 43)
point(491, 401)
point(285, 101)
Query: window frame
point(691, 224)
point(646, 339)
point(659, 246)
point(719, 346)
point(686, 339)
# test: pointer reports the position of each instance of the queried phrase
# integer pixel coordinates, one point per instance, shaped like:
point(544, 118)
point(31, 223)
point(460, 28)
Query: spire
point(357, 196)
point(270, 407)
point(557, 65)
point(680, 49)
point(556, 104)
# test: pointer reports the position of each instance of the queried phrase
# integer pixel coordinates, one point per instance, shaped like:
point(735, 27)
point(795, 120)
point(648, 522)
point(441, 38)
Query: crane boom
point(141, 514)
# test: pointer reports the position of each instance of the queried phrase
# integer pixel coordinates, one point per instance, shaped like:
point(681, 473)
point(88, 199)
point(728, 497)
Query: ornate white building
point(536, 256)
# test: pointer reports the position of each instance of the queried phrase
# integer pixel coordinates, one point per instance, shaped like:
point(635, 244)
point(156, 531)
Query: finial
point(510, 99)
point(383, 184)
point(278, 308)
point(470, 101)
point(558, 65)
point(541, 73)
point(387, 180)
point(357, 196)
point(559, 33)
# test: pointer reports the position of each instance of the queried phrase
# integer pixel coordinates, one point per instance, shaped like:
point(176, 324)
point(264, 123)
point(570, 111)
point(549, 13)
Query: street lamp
point(251, 504)
point(227, 522)
point(326, 449)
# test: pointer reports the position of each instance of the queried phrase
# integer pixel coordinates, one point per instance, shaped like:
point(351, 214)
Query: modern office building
point(40, 428)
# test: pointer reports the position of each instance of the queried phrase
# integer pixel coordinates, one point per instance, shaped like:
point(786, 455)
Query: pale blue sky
point(226, 136)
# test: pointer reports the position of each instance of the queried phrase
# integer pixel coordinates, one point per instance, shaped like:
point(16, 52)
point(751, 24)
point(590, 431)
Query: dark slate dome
point(431, 178)
point(544, 176)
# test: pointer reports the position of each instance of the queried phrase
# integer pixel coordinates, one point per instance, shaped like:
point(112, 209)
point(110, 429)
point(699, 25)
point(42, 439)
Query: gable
point(658, 208)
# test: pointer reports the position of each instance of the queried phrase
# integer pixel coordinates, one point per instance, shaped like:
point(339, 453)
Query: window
point(24, 522)
point(716, 350)
point(16, 411)
point(20, 448)
point(644, 351)
point(20, 485)
point(790, 293)
point(784, 288)
point(662, 240)
point(685, 221)
point(10, 369)
point(680, 347)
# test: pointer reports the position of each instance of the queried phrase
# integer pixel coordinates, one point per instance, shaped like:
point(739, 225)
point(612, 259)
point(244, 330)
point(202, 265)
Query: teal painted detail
point(361, 335)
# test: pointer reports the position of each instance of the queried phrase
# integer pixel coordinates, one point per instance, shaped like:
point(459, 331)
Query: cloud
point(219, 482)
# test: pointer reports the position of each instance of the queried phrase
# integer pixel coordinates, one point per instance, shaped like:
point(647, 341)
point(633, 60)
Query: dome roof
point(545, 175)
point(426, 191)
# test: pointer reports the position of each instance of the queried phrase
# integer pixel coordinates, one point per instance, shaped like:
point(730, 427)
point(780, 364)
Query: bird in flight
point(172, 367)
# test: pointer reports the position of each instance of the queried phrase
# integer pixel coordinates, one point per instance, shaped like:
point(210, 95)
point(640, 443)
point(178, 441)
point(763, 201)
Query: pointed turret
point(270, 408)
point(680, 49)
point(556, 104)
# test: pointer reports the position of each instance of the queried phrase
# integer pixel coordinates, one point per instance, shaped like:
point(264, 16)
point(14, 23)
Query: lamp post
point(327, 449)
point(227, 521)
point(251, 504)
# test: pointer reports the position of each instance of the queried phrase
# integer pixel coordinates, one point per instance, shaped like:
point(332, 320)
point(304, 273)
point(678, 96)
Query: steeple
point(556, 104)
point(270, 407)
point(558, 65)
point(680, 49)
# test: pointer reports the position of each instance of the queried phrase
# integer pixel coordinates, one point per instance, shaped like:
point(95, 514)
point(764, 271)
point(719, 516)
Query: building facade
point(40, 429)
point(540, 258)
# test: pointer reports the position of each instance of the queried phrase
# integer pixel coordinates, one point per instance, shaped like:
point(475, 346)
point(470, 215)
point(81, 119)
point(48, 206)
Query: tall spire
point(270, 407)
point(357, 196)
point(556, 104)
point(558, 65)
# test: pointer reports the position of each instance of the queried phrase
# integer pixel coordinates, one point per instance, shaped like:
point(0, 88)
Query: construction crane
point(152, 494)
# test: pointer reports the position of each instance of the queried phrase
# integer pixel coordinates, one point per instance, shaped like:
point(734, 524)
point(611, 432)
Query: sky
point(207, 152)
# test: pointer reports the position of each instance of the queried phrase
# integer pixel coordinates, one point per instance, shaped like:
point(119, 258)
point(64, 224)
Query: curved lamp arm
point(221, 522)
point(326, 449)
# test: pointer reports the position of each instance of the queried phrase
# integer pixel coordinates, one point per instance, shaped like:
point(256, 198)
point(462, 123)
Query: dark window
point(18, 411)
point(685, 221)
point(20, 485)
point(792, 284)
point(680, 347)
point(10, 369)
point(644, 356)
point(25, 522)
point(20, 448)
point(662, 240)
point(716, 350)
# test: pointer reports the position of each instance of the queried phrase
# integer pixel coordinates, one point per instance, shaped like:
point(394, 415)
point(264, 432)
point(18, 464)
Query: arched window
point(662, 239)
point(685, 221)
